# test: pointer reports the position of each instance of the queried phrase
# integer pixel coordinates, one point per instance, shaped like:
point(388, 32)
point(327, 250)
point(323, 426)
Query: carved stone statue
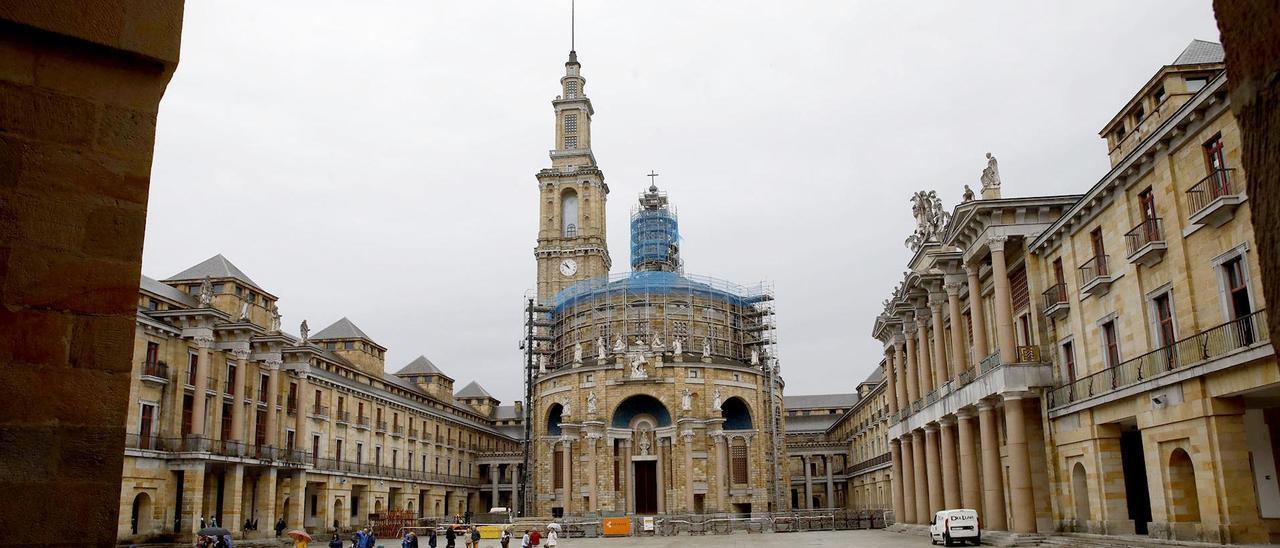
point(677, 347)
point(637, 367)
point(968, 194)
point(755, 357)
point(991, 174)
point(244, 311)
point(686, 400)
point(567, 408)
point(716, 403)
point(706, 347)
point(206, 292)
point(304, 331)
point(619, 346)
point(657, 343)
point(930, 218)
point(643, 443)
point(275, 318)
point(542, 364)
point(577, 353)
point(591, 402)
point(601, 352)
point(639, 340)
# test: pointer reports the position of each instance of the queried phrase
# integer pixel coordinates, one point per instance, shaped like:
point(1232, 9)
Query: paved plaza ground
point(875, 538)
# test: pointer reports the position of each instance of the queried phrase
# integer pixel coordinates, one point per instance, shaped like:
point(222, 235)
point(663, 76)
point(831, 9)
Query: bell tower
point(571, 195)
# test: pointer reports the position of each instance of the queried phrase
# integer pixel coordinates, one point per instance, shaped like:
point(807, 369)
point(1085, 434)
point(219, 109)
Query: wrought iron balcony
point(342, 417)
point(382, 426)
point(397, 430)
point(157, 372)
point(1095, 276)
point(319, 411)
point(413, 433)
point(1146, 243)
point(1055, 301)
point(1197, 349)
point(1213, 200)
point(362, 422)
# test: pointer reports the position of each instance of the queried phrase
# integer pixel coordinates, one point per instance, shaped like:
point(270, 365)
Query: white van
point(949, 526)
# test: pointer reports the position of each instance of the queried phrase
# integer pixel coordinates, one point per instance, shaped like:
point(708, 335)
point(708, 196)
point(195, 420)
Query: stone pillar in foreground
point(950, 472)
point(970, 489)
point(1021, 499)
point(992, 473)
point(895, 450)
point(934, 468)
point(922, 478)
point(908, 481)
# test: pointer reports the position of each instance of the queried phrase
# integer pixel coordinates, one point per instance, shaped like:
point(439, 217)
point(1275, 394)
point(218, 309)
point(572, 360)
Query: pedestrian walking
point(449, 536)
point(475, 537)
point(336, 541)
point(505, 538)
point(552, 537)
point(526, 541)
point(535, 538)
point(431, 537)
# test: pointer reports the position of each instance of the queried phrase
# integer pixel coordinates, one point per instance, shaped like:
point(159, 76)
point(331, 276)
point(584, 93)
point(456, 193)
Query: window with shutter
point(1018, 290)
point(738, 456)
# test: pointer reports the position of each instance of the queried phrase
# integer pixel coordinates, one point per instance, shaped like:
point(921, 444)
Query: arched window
point(736, 414)
point(140, 520)
point(569, 213)
point(553, 419)
point(1080, 491)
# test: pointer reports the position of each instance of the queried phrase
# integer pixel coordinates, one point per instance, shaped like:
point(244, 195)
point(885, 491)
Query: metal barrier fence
point(728, 523)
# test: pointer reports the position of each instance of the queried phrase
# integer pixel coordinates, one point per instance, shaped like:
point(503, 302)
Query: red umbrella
point(298, 534)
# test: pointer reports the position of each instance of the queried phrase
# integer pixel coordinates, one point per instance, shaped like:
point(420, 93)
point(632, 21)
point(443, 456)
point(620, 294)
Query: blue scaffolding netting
point(655, 233)
point(635, 284)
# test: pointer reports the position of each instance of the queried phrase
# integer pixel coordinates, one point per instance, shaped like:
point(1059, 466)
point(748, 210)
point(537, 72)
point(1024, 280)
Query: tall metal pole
point(525, 509)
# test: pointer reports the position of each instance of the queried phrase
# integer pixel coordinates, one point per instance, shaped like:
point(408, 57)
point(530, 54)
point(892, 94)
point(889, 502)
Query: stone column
point(266, 500)
point(922, 478)
point(941, 371)
point(808, 483)
point(628, 487)
point(970, 490)
point(934, 468)
point(1003, 301)
point(912, 377)
point(567, 471)
point(890, 370)
point(895, 450)
point(1021, 498)
point(273, 391)
point(233, 483)
point(957, 359)
point(978, 315)
point(593, 493)
point(661, 477)
point(688, 470)
point(722, 471)
point(495, 470)
point(515, 488)
point(950, 473)
point(199, 413)
point(297, 508)
point(237, 405)
point(301, 433)
point(908, 481)
point(831, 489)
point(992, 473)
point(900, 367)
point(922, 346)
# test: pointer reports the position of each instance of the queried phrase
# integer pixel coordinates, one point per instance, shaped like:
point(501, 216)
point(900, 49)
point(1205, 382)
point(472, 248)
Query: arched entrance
point(1184, 501)
point(1080, 492)
point(642, 415)
point(337, 512)
point(140, 517)
point(377, 506)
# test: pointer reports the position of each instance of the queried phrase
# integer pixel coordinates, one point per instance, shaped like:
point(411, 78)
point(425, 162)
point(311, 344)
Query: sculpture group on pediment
point(931, 219)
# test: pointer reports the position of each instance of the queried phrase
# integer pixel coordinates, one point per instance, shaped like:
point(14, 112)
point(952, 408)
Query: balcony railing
point(1199, 348)
point(158, 370)
point(1218, 184)
point(413, 433)
point(1056, 295)
point(342, 417)
point(988, 363)
point(362, 422)
point(397, 430)
point(871, 463)
point(1093, 269)
point(370, 469)
point(319, 411)
point(223, 448)
point(1028, 354)
point(1146, 243)
point(382, 426)
point(291, 407)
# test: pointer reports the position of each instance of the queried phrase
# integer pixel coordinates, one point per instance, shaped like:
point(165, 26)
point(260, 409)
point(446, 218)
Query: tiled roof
point(809, 423)
point(167, 291)
point(473, 390)
point(216, 266)
point(341, 329)
point(815, 401)
point(505, 412)
point(1200, 52)
point(421, 366)
point(877, 376)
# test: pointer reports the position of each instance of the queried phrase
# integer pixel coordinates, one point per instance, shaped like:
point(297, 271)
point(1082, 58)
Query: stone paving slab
point(870, 539)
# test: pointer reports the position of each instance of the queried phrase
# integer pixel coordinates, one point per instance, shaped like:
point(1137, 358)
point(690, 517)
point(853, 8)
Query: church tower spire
point(572, 195)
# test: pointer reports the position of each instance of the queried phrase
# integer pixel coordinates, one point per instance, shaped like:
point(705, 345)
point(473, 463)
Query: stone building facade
point(652, 391)
point(234, 420)
point(1098, 362)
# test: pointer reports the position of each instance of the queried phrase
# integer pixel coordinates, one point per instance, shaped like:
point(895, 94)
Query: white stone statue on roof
point(686, 400)
point(755, 357)
point(637, 367)
point(677, 346)
point(991, 174)
point(600, 348)
point(968, 194)
point(206, 292)
point(275, 318)
point(639, 340)
point(304, 331)
point(567, 408)
point(619, 346)
point(577, 353)
point(591, 402)
point(542, 364)
point(931, 219)
point(244, 311)
point(706, 347)
point(716, 403)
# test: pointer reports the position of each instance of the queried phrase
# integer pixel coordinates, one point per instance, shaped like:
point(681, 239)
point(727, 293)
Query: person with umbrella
point(300, 538)
point(552, 535)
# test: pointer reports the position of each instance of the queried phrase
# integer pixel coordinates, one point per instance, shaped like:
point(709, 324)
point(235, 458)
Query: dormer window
point(1158, 95)
point(1196, 83)
point(1119, 134)
point(1139, 113)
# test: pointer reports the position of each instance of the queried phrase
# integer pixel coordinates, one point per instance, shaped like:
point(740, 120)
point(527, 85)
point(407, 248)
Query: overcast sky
point(376, 160)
